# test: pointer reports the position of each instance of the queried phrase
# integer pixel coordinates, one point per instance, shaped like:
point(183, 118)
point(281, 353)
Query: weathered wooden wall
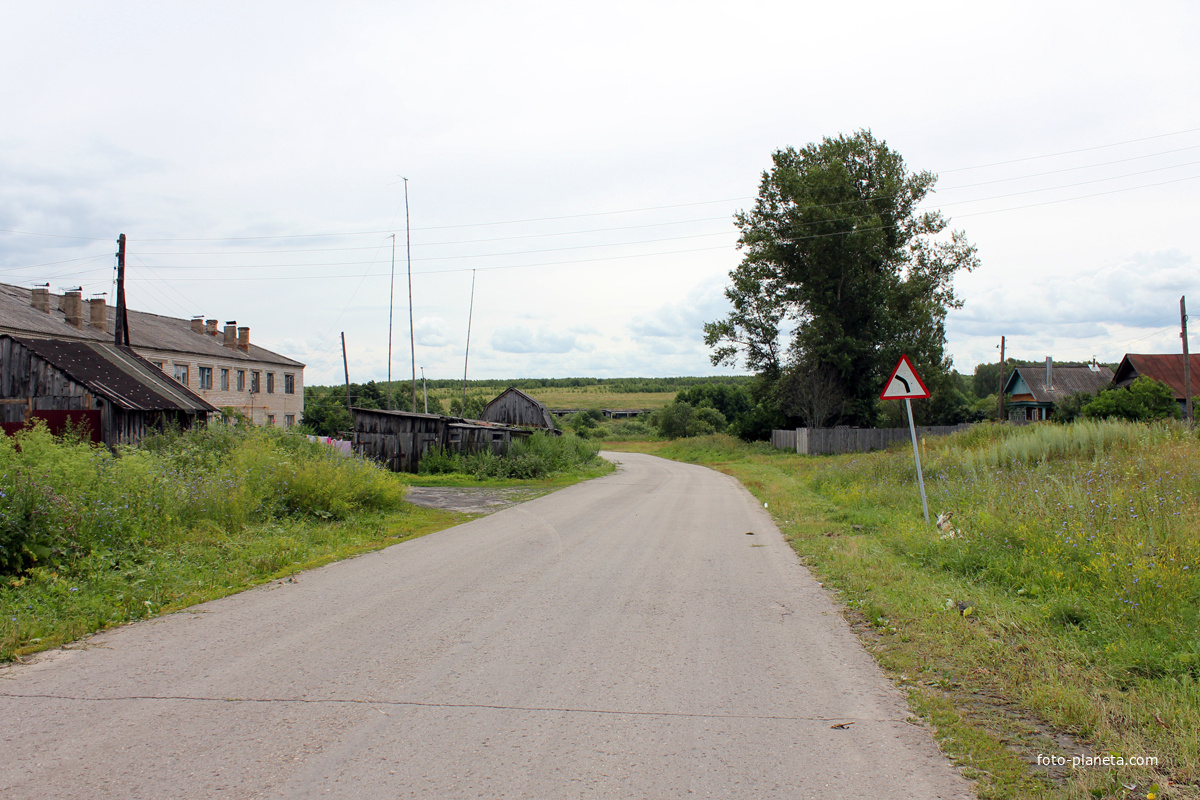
point(39, 386)
point(826, 441)
point(513, 407)
point(399, 439)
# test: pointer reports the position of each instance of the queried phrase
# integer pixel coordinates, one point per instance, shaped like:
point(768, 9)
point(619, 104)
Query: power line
point(1070, 152)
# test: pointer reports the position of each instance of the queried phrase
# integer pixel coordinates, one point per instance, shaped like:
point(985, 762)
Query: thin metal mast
point(412, 337)
point(467, 354)
point(391, 292)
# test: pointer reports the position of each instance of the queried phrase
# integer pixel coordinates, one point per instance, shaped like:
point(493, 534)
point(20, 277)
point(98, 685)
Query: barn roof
point(1165, 367)
point(1065, 381)
point(117, 374)
point(496, 408)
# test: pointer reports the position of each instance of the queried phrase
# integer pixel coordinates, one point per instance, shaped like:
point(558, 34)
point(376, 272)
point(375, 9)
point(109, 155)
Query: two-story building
point(217, 363)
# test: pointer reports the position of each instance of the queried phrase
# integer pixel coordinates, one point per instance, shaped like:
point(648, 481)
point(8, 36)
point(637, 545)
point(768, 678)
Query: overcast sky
point(583, 163)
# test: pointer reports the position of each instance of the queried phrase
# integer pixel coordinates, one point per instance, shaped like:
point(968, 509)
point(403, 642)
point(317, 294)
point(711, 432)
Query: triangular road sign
point(904, 383)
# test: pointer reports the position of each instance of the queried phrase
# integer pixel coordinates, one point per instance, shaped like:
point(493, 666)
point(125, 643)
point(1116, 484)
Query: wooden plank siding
point(828, 441)
point(399, 439)
point(30, 384)
point(514, 407)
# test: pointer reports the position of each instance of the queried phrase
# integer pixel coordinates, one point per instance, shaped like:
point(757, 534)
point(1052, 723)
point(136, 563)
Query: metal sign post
point(904, 384)
point(912, 429)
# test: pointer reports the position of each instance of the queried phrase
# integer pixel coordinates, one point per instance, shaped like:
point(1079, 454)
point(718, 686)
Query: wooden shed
point(514, 407)
point(120, 395)
point(399, 439)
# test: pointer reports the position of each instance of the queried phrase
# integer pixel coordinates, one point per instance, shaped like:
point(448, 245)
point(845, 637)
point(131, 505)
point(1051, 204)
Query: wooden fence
point(825, 441)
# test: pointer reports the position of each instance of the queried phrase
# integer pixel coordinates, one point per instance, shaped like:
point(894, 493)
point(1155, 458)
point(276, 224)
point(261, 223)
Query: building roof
point(1165, 367)
point(1064, 381)
point(497, 406)
point(19, 317)
point(117, 374)
point(456, 422)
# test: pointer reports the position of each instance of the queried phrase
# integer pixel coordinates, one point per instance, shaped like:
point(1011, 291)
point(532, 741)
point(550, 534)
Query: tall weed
point(62, 498)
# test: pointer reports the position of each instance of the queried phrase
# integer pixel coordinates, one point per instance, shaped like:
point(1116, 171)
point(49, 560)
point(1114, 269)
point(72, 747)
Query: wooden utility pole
point(121, 334)
point(1001, 393)
point(346, 367)
point(1187, 366)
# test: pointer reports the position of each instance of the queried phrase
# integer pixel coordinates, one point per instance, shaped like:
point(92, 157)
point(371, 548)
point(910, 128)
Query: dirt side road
point(622, 638)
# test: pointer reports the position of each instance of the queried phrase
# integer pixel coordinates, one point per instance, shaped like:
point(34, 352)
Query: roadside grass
point(90, 539)
point(1061, 621)
point(46, 607)
point(538, 456)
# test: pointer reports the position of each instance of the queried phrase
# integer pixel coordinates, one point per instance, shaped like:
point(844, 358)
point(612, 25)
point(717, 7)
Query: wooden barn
point(514, 407)
point(398, 439)
point(118, 394)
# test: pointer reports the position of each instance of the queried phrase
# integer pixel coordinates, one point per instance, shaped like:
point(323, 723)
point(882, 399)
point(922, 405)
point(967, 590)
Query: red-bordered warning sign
point(904, 383)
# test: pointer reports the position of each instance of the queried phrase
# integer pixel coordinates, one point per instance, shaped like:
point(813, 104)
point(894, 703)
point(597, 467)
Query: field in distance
point(575, 393)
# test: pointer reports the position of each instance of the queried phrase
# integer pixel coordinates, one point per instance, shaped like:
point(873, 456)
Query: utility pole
point(121, 335)
point(412, 337)
point(1001, 393)
point(391, 293)
point(467, 353)
point(425, 390)
point(1187, 366)
point(346, 366)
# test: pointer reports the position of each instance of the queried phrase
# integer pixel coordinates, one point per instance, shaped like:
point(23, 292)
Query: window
point(289, 420)
point(205, 375)
point(181, 375)
point(270, 383)
point(255, 383)
point(161, 365)
point(224, 380)
point(271, 420)
point(289, 384)
point(241, 380)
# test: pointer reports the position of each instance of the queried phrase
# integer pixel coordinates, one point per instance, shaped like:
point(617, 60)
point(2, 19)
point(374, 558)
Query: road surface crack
point(418, 704)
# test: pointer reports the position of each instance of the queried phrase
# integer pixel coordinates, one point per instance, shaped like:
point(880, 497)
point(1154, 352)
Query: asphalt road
point(623, 638)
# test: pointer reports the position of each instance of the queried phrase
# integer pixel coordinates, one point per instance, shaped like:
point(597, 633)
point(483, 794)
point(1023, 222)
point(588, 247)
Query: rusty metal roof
point(1065, 381)
point(1165, 367)
point(118, 374)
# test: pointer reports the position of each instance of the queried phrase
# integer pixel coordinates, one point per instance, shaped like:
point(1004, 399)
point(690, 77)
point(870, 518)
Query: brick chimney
point(243, 339)
point(73, 307)
point(231, 334)
point(210, 327)
point(198, 325)
point(40, 298)
point(99, 314)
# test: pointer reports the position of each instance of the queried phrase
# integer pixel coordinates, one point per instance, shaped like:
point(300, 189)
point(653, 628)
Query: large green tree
point(842, 272)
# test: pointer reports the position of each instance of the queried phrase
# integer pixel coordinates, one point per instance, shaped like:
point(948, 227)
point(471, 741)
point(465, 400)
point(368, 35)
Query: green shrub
point(1145, 400)
point(673, 419)
point(62, 498)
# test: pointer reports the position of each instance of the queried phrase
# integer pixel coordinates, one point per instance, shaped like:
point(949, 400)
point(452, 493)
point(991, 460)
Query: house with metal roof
point(223, 367)
point(1165, 367)
point(106, 389)
point(1035, 389)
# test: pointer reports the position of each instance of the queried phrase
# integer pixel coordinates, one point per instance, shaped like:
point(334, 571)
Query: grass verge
point(90, 539)
point(1057, 621)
